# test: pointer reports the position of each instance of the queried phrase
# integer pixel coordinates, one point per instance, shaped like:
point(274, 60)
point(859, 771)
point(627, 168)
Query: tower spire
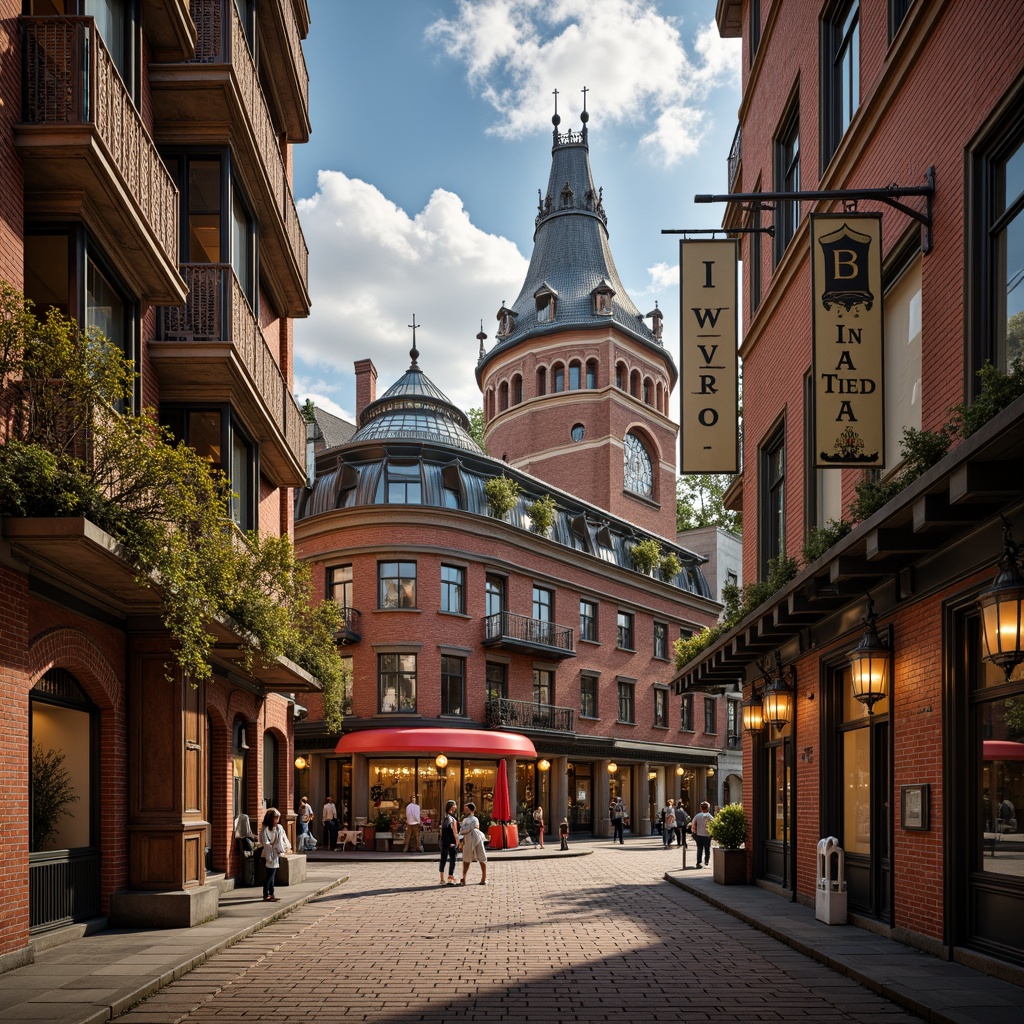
point(414, 353)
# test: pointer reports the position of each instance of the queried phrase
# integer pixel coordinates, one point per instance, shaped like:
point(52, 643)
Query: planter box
point(729, 867)
point(503, 837)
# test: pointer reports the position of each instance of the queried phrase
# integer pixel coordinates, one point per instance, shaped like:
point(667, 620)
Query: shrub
point(728, 827)
point(998, 390)
point(502, 493)
point(645, 555)
point(542, 514)
point(821, 538)
point(670, 567)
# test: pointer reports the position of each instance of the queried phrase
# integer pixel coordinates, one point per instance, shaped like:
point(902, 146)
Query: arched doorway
point(64, 859)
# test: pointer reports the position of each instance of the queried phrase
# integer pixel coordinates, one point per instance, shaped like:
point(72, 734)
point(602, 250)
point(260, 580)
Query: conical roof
point(414, 408)
point(572, 257)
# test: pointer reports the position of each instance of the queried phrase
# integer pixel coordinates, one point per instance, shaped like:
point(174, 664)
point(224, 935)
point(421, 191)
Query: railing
point(524, 714)
point(63, 886)
point(215, 46)
point(217, 310)
point(70, 78)
point(291, 27)
point(350, 621)
point(735, 155)
point(510, 626)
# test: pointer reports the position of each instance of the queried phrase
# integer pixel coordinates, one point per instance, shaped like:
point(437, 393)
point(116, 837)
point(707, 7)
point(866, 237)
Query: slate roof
point(333, 429)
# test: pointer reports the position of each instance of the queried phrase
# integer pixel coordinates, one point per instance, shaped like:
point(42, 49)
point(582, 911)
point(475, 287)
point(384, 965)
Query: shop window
point(686, 713)
point(787, 179)
point(496, 676)
point(661, 641)
point(588, 695)
point(711, 715)
point(772, 499)
point(453, 589)
point(625, 630)
point(397, 585)
point(840, 74)
point(660, 707)
point(453, 685)
point(627, 705)
point(397, 683)
point(588, 620)
point(638, 470)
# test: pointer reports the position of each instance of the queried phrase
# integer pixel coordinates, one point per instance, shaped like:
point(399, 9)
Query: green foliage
point(70, 452)
point(1013, 717)
point(699, 502)
point(686, 649)
point(728, 827)
point(476, 426)
point(998, 390)
point(821, 538)
point(382, 822)
point(645, 555)
point(542, 514)
point(309, 411)
point(502, 493)
point(781, 571)
point(52, 792)
point(669, 567)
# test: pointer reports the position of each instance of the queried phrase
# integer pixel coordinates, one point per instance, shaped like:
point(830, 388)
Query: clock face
point(637, 467)
point(577, 432)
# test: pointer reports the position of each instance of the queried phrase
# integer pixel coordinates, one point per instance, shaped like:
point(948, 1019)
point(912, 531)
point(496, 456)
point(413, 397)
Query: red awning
point(1003, 750)
point(436, 741)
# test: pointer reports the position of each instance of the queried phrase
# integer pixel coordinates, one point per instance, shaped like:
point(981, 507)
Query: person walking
point(471, 842)
point(563, 833)
point(538, 820)
point(329, 816)
point(701, 835)
point(274, 842)
point(682, 820)
point(618, 816)
point(412, 825)
point(668, 830)
point(449, 841)
point(305, 816)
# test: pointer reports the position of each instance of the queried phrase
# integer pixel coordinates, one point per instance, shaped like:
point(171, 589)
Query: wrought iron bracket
point(890, 194)
point(769, 230)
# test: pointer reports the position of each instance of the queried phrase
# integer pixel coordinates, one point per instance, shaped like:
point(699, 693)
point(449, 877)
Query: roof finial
point(414, 352)
point(481, 337)
point(585, 117)
point(556, 120)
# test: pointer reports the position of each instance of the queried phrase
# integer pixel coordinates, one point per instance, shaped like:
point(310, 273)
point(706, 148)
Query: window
point(397, 683)
point(588, 695)
point(620, 376)
point(648, 391)
point(494, 595)
point(840, 87)
point(545, 299)
point(397, 584)
point(497, 680)
point(755, 256)
point(517, 389)
point(503, 396)
point(625, 630)
point(453, 685)
point(710, 715)
point(558, 378)
point(661, 641)
point(543, 686)
point(400, 484)
point(686, 713)
point(453, 589)
point(772, 495)
point(542, 377)
point(578, 432)
point(997, 207)
point(637, 470)
point(591, 373)
point(660, 707)
point(116, 22)
point(588, 620)
point(787, 179)
point(339, 585)
point(347, 678)
point(897, 12)
point(543, 604)
point(732, 723)
point(626, 701)
point(755, 28)
point(215, 435)
point(574, 376)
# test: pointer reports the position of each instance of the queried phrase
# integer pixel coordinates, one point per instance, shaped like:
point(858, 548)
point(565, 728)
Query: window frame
point(402, 586)
point(660, 639)
point(589, 689)
point(771, 504)
point(625, 630)
point(840, 74)
point(660, 707)
point(686, 713)
point(400, 672)
point(453, 588)
point(332, 585)
point(588, 623)
point(626, 711)
point(786, 164)
point(453, 672)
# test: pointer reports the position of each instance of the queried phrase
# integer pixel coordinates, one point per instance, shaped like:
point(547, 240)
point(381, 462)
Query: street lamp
point(441, 766)
point(869, 664)
point(1002, 608)
point(301, 764)
point(778, 696)
point(543, 764)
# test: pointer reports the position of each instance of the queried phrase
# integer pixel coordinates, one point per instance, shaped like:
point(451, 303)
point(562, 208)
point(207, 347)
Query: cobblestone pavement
point(586, 939)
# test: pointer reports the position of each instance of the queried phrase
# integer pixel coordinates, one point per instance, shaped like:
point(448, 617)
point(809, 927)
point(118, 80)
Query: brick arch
point(63, 647)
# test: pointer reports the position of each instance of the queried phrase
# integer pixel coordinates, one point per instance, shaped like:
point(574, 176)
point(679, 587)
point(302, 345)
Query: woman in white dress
point(471, 842)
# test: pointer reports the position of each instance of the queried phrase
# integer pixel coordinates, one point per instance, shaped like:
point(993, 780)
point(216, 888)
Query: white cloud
point(322, 402)
point(634, 58)
point(372, 266)
point(664, 278)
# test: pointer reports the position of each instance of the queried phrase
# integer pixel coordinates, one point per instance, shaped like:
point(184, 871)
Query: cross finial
point(414, 352)
point(585, 91)
point(555, 94)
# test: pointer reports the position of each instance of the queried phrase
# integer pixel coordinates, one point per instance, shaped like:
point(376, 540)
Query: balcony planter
point(503, 837)
point(542, 515)
point(728, 828)
point(502, 494)
point(645, 555)
point(729, 867)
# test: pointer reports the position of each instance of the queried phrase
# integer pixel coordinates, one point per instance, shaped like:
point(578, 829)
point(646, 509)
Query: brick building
point(467, 620)
point(145, 156)
point(920, 782)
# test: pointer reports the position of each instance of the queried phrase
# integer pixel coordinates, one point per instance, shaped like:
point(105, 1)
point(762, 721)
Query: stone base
point(185, 909)
point(290, 871)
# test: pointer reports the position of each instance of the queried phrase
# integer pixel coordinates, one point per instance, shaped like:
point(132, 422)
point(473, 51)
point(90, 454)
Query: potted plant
point(542, 514)
point(502, 493)
point(670, 566)
point(728, 828)
point(645, 555)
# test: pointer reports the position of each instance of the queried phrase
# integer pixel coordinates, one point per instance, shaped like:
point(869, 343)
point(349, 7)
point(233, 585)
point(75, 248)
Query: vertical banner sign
point(708, 358)
point(846, 289)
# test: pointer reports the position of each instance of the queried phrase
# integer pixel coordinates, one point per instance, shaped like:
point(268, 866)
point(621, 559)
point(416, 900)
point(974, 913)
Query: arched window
point(658, 402)
point(270, 770)
point(517, 389)
point(620, 376)
point(648, 391)
point(557, 378)
point(638, 473)
point(489, 404)
point(503, 396)
point(574, 376)
point(542, 380)
point(634, 383)
point(591, 373)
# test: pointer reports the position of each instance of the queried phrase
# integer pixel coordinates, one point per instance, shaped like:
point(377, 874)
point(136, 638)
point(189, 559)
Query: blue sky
point(431, 136)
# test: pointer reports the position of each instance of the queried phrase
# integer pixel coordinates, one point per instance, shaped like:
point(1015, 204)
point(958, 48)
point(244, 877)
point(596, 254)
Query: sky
point(431, 119)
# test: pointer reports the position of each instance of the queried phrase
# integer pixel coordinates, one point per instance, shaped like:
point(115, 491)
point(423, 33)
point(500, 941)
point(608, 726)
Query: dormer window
point(545, 297)
point(657, 319)
point(506, 321)
point(602, 296)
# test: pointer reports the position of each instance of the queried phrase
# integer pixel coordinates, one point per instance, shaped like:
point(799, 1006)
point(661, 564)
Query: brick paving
point(601, 937)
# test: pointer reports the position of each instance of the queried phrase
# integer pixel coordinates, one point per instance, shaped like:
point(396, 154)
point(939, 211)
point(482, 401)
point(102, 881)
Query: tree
point(476, 426)
point(699, 502)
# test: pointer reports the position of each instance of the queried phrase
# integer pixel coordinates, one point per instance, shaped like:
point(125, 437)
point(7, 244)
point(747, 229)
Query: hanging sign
point(846, 289)
point(708, 359)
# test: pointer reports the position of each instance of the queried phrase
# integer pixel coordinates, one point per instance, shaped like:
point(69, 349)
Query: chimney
point(366, 385)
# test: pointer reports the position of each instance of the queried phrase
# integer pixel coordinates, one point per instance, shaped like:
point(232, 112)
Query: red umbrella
point(502, 810)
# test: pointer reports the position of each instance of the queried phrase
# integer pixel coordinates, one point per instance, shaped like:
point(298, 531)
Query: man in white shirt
point(699, 825)
point(412, 825)
point(329, 817)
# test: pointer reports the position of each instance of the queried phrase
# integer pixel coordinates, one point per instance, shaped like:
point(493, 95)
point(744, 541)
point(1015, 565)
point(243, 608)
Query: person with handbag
point(449, 841)
point(471, 842)
point(274, 841)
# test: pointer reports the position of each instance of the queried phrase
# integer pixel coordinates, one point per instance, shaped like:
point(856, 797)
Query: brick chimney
point(366, 385)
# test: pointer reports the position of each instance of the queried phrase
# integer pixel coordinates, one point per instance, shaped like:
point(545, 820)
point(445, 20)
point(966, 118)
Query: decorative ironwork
point(735, 157)
point(523, 714)
point(63, 886)
point(216, 311)
point(509, 626)
point(350, 628)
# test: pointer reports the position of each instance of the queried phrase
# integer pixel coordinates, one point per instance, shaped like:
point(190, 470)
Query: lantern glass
point(612, 768)
point(1002, 609)
point(778, 703)
point(869, 674)
point(753, 714)
point(441, 761)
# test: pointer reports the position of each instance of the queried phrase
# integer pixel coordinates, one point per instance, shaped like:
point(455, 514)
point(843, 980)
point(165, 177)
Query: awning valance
point(452, 742)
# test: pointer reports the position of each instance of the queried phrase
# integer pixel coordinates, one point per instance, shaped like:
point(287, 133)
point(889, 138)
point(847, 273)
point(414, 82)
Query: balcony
point(350, 632)
point(217, 100)
point(87, 155)
point(212, 349)
point(288, 86)
point(525, 715)
point(512, 632)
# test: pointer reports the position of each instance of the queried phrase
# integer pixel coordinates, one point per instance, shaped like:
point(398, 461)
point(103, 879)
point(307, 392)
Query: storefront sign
point(846, 289)
point(709, 364)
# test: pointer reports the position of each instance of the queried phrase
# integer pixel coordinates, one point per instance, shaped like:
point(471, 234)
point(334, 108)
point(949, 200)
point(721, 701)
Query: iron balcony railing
point(524, 714)
point(221, 40)
point(510, 627)
point(70, 78)
point(735, 156)
point(63, 886)
point(350, 628)
point(216, 311)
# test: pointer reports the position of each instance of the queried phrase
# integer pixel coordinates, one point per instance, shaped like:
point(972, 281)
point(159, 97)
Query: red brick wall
point(12, 257)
